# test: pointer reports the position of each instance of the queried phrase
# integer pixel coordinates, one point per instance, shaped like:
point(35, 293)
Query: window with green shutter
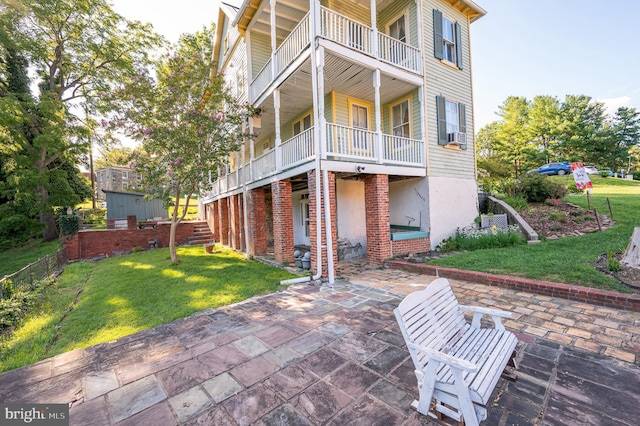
point(447, 39)
point(452, 123)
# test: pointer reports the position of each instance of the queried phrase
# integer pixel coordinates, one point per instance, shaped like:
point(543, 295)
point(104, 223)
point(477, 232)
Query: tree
point(114, 156)
point(626, 134)
point(583, 130)
point(80, 49)
point(491, 162)
point(513, 138)
point(186, 121)
point(544, 121)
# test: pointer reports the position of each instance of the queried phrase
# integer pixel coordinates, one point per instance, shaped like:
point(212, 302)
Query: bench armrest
point(478, 312)
point(446, 359)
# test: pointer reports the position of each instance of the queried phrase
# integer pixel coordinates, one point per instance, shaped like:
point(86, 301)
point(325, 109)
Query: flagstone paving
point(311, 355)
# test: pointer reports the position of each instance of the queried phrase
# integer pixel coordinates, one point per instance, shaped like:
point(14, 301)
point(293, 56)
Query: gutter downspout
point(313, 14)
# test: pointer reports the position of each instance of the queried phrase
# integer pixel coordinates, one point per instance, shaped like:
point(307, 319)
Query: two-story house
point(116, 178)
point(365, 139)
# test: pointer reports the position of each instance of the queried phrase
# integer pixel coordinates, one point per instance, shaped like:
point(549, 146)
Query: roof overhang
point(469, 8)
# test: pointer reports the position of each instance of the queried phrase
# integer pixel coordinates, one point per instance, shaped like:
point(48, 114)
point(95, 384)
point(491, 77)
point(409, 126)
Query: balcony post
point(278, 148)
point(376, 88)
point(252, 151)
point(374, 25)
point(272, 5)
point(320, 115)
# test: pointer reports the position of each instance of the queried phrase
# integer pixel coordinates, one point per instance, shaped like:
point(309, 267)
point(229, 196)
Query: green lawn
point(96, 302)
point(568, 260)
point(14, 259)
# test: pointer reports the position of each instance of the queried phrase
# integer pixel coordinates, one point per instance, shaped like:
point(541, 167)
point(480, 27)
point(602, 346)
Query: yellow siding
point(393, 11)
point(454, 85)
point(351, 10)
point(414, 105)
point(260, 52)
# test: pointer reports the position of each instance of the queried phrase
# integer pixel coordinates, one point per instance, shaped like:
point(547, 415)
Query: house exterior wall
point(409, 199)
point(454, 84)
point(115, 179)
point(393, 11)
point(352, 218)
point(454, 204)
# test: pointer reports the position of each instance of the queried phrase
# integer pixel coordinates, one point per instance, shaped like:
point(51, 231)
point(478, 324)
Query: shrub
point(573, 189)
point(137, 249)
point(536, 188)
point(517, 201)
point(612, 263)
point(69, 224)
point(604, 174)
point(636, 175)
point(477, 239)
point(558, 217)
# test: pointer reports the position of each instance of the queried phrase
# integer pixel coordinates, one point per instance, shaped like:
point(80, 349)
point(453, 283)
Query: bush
point(612, 263)
point(536, 188)
point(605, 174)
point(476, 239)
point(69, 224)
point(517, 201)
point(636, 175)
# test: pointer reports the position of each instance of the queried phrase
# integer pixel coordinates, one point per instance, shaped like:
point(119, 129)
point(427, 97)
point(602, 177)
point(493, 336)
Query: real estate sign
point(580, 176)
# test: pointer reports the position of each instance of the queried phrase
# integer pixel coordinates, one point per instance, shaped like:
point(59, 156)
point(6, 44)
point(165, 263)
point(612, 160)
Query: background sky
point(520, 48)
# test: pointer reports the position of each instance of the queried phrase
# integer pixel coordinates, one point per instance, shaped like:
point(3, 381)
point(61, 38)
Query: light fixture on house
point(360, 169)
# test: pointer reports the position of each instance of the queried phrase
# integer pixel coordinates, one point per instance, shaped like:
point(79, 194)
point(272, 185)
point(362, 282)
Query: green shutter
point(437, 34)
point(462, 121)
point(442, 121)
point(458, 46)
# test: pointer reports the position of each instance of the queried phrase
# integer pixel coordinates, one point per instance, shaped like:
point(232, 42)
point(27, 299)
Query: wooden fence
point(27, 278)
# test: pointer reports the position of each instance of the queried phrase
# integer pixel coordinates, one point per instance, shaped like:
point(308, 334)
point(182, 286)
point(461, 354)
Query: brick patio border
point(609, 299)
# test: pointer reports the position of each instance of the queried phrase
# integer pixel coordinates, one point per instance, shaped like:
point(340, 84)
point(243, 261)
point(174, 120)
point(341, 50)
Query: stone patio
point(312, 355)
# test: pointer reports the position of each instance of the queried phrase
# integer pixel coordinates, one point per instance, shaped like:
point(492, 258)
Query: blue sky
point(521, 47)
point(555, 47)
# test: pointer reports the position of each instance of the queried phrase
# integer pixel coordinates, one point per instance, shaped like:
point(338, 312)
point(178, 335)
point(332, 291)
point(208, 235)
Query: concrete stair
point(201, 234)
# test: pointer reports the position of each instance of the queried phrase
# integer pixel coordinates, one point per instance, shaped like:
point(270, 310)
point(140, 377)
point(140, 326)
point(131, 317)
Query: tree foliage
point(186, 121)
point(79, 50)
point(530, 133)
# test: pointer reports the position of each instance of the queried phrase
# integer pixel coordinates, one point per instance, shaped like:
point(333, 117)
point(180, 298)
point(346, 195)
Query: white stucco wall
point(352, 220)
point(454, 204)
point(408, 204)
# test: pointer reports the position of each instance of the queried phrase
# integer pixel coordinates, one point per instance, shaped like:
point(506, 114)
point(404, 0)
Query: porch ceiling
point(341, 76)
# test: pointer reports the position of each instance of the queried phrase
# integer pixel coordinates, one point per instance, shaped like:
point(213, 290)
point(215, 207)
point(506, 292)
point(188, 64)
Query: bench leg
point(464, 399)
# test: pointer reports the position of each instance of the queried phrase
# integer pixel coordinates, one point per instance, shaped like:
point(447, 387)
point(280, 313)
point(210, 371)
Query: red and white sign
point(580, 176)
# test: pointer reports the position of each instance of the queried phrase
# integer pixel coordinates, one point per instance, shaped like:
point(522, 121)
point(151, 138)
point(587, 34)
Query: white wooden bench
point(457, 364)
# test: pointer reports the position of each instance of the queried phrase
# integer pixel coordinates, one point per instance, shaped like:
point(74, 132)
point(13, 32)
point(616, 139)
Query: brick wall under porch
point(414, 245)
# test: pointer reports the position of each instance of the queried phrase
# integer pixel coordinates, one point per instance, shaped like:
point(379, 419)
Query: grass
point(568, 260)
point(97, 302)
point(14, 259)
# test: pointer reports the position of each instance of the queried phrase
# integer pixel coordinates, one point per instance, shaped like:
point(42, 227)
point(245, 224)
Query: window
point(303, 124)
point(398, 29)
point(360, 123)
point(452, 123)
point(447, 39)
point(400, 119)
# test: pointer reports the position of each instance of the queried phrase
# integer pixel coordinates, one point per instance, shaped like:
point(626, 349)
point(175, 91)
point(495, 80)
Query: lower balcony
point(342, 144)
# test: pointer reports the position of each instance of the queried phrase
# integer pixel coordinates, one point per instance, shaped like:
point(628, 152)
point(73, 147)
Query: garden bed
point(558, 220)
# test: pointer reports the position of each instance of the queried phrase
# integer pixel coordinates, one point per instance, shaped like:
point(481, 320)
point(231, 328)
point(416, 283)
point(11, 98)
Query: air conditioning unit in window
point(457, 138)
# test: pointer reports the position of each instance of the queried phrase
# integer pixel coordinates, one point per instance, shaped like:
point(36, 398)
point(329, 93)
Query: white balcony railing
point(350, 142)
point(261, 81)
point(398, 53)
point(293, 45)
point(298, 149)
point(345, 31)
point(403, 151)
point(264, 165)
point(232, 179)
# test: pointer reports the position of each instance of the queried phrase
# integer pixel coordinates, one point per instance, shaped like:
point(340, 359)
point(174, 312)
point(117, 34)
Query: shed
point(122, 204)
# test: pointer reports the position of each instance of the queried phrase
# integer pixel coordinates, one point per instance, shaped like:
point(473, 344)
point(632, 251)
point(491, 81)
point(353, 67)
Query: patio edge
point(605, 298)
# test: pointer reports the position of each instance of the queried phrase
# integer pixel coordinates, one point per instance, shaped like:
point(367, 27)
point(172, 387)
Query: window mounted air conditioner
point(457, 138)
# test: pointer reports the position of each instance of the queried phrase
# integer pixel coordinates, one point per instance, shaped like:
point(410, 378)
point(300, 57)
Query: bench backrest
point(431, 317)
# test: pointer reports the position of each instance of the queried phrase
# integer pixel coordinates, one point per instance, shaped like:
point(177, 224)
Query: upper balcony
point(277, 42)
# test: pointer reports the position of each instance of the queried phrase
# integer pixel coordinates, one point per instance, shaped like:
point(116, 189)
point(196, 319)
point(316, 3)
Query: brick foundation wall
point(376, 199)
point(212, 219)
point(93, 244)
point(223, 220)
point(236, 230)
point(311, 179)
point(415, 245)
point(282, 221)
point(257, 222)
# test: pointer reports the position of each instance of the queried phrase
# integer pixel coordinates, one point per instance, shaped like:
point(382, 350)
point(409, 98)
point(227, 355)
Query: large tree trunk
point(172, 241)
point(47, 218)
point(631, 255)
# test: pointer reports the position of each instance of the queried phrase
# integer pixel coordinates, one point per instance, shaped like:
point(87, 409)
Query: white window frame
point(404, 15)
point(359, 141)
point(399, 144)
point(452, 117)
point(449, 41)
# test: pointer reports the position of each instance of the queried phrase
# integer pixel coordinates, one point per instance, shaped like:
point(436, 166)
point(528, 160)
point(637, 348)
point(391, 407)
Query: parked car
point(591, 170)
point(559, 168)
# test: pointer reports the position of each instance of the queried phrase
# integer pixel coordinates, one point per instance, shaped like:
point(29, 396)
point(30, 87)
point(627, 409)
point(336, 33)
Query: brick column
point(257, 222)
point(376, 199)
point(223, 220)
point(311, 178)
point(282, 221)
point(234, 209)
point(214, 222)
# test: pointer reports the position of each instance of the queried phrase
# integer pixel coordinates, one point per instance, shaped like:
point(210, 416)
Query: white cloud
point(612, 104)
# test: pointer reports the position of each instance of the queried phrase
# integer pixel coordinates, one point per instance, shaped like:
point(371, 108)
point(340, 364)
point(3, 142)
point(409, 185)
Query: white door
point(304, 214)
